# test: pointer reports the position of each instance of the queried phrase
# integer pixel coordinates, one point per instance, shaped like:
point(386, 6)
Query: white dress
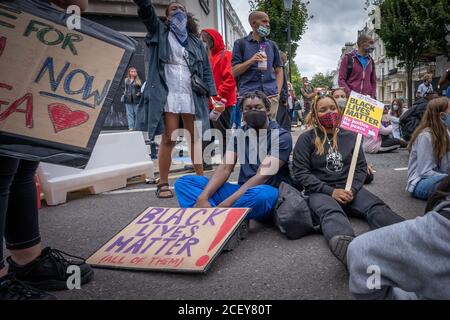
point(178, 77)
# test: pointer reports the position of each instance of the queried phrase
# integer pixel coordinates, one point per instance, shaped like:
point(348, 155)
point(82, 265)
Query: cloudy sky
point(335, 22)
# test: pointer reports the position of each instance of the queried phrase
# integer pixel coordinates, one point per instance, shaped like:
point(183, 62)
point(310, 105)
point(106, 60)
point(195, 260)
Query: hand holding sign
point(362, 115)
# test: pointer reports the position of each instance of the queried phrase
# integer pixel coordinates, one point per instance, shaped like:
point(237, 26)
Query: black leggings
point(389, 145)
point(19, 220)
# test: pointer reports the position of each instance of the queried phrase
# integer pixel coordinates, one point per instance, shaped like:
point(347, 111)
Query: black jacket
point(131, 92)
point(410, 120)
point(323, 174)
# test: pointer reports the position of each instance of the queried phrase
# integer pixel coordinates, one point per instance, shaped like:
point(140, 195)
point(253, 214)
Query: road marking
point(401, 169)
point(111, 193)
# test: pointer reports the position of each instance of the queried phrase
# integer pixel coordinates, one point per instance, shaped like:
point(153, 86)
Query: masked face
point(178, 16)
point(255, 114)
point(255, 119)
point(263, 31)
point(330, 120)
point(328, 113)
point(395, 107)
point(368, 46)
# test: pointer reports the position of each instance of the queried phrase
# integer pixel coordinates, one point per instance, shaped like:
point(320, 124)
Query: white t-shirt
point(424, 89)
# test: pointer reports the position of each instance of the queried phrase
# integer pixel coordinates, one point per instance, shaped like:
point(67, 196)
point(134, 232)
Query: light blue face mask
point(448, 120)
point(263, 31)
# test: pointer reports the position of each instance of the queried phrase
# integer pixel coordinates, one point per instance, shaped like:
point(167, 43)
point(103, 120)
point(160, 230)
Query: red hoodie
point(220, 60)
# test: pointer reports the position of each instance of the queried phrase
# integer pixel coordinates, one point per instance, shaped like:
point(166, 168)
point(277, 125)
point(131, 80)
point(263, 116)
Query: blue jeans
point(131, 115)
point(261, 199)
point(427, 186)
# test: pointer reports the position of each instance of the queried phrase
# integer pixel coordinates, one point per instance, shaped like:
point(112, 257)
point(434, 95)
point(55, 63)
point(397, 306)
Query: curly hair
point(255, 94)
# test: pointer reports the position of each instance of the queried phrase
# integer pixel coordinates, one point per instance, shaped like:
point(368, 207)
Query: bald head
point(257, 19)
point(257, 15)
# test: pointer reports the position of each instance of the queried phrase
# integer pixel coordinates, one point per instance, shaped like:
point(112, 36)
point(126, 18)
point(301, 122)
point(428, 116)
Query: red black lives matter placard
point(170, 239)
point(56, 84)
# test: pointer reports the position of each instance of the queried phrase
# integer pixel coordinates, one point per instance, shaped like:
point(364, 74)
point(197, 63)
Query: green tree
point(279, 21)
point(321, 80)
point(296, 79)
point(412, 30)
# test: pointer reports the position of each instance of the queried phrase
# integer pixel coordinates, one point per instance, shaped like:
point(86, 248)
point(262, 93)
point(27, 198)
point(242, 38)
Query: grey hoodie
point(423, 162)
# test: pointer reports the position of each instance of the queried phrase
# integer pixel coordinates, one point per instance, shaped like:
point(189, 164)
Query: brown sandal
point(164, 188)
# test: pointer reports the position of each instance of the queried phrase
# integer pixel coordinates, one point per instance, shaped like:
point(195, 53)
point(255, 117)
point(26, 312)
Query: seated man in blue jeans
point(263, 149)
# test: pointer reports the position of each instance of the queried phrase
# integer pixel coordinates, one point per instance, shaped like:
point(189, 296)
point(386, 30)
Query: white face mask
point(342, 103)
point(395, 107)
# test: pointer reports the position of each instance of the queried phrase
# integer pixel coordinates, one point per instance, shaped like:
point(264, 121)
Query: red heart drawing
point(63, 118)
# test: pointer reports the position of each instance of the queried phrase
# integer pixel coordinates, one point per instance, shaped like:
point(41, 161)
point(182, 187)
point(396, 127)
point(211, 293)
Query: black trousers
point(389, 145)
point(19, 219)
point(222, 124)
point(333, 217)
point(284, 118)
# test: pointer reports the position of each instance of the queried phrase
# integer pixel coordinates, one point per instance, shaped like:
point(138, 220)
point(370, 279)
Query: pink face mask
point(330, 120)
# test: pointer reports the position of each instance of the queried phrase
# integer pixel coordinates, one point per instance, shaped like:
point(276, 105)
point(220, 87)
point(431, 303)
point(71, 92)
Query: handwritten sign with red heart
point(63, 118)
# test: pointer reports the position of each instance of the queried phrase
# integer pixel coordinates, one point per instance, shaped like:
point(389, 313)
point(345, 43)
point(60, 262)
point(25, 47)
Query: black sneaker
point(339, 246)
point(49, 270)
point(13, 289)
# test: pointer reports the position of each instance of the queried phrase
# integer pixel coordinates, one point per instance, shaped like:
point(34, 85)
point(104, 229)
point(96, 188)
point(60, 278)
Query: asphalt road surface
point(265, 266)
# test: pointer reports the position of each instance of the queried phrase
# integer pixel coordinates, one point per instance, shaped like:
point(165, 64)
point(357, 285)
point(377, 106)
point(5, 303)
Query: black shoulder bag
point(198, 86)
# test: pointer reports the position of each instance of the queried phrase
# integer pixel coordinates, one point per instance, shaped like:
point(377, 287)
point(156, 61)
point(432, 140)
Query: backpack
point(410, 120)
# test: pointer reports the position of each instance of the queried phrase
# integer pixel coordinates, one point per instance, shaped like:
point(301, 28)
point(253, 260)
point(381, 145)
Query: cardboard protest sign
point(56, 84)
point(362, 115)
point(170, 239)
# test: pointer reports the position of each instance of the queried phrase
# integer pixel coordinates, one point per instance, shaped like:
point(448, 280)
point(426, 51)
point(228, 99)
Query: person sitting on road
point(260, 175)
point(322, 159)
point(413, 256)
point(397, 110)
point(383, 143)
point(429, 160)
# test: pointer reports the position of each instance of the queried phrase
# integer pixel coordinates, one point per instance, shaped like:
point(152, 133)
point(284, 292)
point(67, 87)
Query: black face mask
point(255, 119)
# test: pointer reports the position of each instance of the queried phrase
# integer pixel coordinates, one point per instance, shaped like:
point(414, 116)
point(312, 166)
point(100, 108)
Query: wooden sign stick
point(351, 174)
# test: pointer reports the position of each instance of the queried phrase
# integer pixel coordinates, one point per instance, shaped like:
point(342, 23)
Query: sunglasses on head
point(321, 95)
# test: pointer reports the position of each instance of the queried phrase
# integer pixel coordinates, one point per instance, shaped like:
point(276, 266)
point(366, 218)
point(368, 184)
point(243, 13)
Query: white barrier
point(116, 157)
